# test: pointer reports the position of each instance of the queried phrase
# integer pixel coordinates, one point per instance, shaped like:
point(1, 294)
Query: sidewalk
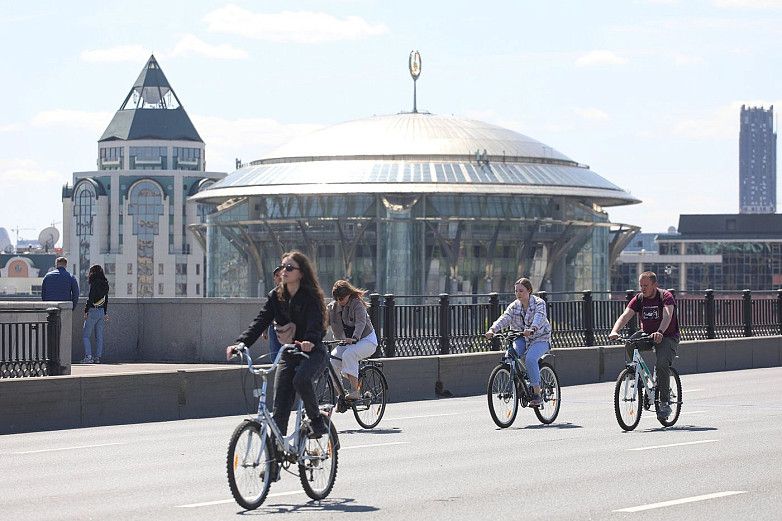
point(116, 368)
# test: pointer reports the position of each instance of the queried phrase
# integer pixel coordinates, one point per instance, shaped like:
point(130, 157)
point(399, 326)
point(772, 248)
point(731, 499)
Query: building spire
point(414, 64)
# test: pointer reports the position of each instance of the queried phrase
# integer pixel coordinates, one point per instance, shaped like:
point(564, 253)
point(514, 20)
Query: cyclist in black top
point(298, 300)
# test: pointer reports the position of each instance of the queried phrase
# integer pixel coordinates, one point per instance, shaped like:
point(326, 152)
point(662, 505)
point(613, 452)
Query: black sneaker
point(317, 429)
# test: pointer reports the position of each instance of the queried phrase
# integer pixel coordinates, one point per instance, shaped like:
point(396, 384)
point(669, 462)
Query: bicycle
point(509, 385)
point(370, 406)
point(627, 402)
point(258, 450)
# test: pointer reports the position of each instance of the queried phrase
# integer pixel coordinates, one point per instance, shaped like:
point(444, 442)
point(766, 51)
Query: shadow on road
point(566, 425)
point(689, 428)
point(391, 430)
point(346, 505)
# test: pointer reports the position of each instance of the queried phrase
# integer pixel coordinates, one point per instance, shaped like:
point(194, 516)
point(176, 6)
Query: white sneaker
point(87, 360)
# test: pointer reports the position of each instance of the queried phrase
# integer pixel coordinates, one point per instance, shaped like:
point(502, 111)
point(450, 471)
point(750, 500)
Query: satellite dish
point(48, 238)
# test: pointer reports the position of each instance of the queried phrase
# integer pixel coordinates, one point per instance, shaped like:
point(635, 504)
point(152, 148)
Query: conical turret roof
point(151, 110)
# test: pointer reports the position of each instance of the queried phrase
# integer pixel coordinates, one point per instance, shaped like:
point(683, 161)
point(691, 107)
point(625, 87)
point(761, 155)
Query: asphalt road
point(437, 459)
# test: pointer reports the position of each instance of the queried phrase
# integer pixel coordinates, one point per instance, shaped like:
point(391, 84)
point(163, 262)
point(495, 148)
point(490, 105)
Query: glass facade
point(186, 159)
point(84, 212)
point(410, 244)
point(148, 158)
point(111, 158)
point(146, 207)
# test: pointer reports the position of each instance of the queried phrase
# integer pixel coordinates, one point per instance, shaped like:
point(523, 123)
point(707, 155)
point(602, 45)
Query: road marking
point(425, 416)
point(693, 412)
point(674, 445)
point(692, 390)
point(68, 448)
point(692, 499)
point(224, 501)
point(375, 445)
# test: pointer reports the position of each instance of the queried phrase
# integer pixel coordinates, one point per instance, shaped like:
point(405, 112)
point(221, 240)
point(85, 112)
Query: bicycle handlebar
point(242, 350)
point(632, 340)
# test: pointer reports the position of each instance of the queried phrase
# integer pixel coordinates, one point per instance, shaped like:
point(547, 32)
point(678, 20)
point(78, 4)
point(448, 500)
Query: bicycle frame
point(518, 369)
point(292, 444)
point(644, 375)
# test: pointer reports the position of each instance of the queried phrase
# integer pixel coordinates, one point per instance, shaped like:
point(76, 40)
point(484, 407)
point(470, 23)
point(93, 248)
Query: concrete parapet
point(58, 402)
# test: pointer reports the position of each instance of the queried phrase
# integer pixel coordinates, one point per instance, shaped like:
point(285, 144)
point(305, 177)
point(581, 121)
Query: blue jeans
point(95, 320)
point(274, 344)
point(532, 354)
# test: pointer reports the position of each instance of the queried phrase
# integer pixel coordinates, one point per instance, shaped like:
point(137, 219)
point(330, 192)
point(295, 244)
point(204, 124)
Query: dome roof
point(407, 134)
point(416, 153)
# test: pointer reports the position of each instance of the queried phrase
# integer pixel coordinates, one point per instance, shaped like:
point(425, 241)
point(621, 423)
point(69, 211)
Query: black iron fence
point(29, 346)
point(413, 325)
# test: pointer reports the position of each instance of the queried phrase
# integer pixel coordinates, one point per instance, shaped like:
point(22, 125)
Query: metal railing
point(413, 325)
point(30, 347)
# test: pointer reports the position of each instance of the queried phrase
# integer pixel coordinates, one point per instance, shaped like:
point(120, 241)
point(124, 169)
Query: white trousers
point(352, 353)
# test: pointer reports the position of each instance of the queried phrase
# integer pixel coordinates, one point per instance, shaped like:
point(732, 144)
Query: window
point(160, 288)
point(148, 158)
point(186, 158)
point(130, 288)
point(198, 269)
point(181, 269)
point(109, 268)
point(84, 208)
point(160, 269)
point(130, 268)
point(181, 289)
point(198, 289)
point(111, 158)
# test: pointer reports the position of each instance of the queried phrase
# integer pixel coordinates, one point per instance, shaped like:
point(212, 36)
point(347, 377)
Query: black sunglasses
point(287, 267)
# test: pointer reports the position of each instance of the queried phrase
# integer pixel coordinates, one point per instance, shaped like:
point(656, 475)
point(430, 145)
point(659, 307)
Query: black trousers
point(295, 374)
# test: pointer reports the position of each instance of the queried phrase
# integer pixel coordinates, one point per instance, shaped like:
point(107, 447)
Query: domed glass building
point(415, 203)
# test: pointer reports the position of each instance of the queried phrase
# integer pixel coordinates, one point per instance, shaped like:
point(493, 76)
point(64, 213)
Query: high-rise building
point(757, 161)
point(131, 215)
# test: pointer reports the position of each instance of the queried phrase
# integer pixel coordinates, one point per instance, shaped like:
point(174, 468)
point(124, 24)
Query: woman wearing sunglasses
point(350, 323)
point(297, 300)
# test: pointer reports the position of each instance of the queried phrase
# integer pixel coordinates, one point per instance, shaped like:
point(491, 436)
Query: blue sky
point(646, 92)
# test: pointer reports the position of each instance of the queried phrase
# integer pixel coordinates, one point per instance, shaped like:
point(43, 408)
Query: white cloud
point(600, 58)
point(9, 127)
point(290, 26)
point(190, 44)
point(16, 171)
point(592, 114)
point(122, 53)
point(93, 121)
point(749, 4)
point(682, 59)
point(721, 123)
point(246, 138)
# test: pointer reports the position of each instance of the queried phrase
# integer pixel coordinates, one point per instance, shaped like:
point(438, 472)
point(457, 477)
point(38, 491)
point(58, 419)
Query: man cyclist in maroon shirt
point(657, 313)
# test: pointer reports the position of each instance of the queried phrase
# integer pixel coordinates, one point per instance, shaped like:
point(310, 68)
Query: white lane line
point(693, 412)
point(674, 445)
point(224, 501)
point(376, 445)
point(692, 499)
point(425, 416)
point(692, 390)
point(68, 448)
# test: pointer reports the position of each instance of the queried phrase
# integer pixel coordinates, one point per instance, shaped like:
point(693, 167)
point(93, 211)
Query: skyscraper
point(757, 161)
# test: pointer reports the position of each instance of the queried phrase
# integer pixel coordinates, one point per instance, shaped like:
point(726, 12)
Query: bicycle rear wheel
point(318, 464)
point(369, 409)
point(549, 391)
point(249, 464)
point(501, 393)
point(675, 400)
point(628, 401)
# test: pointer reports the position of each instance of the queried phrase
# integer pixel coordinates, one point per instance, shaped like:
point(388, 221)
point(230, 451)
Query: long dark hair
point(309, 282)
point(95, 273)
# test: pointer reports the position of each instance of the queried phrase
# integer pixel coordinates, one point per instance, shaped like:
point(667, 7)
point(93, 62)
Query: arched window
point(84, 207)
point(146, 207)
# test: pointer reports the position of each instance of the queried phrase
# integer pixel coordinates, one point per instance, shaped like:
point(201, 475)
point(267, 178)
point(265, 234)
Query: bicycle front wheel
point(501, 393)
point(549, 391)
point(324, 390)
point(318, 464)
point(369, 409)
point(249, 464)
point(675, 400)
point(628, 400)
